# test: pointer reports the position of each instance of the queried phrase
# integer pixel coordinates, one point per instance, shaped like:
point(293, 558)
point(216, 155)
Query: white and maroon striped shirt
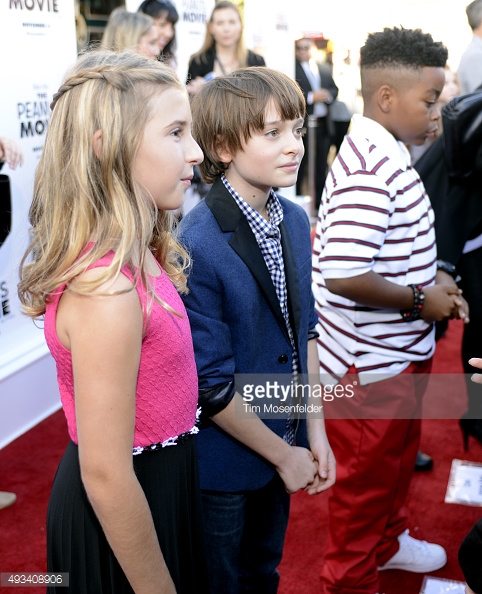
point(374, 215)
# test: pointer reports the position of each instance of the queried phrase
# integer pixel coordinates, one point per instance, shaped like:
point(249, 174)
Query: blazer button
point(283, 359)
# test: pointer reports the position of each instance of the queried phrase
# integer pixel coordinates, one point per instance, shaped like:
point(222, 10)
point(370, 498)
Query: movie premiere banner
point(37, 45)
point(190, 28)
point(269, 30)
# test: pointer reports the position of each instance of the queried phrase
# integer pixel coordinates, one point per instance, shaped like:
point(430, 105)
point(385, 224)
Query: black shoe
point(423, 462)
point(472, 427)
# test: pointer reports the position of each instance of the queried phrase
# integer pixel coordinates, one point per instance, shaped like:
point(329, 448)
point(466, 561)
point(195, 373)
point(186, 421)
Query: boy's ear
point(224, 155)
point(97, 143)
point(385, 95)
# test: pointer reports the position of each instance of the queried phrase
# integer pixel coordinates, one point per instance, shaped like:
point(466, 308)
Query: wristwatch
point(449, 269)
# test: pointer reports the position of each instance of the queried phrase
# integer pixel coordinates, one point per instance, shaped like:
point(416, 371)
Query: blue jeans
point(244, 536)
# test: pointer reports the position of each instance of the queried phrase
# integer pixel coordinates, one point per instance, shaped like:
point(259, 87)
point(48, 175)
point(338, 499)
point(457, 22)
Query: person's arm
point(463, 309)
point(197, 70)
point(195, 84)
point(295, 465)
point(319, 445)
point(329, 91)
point(441, 300)
point(105, 366)
point(348, 271)
point(10, 152)
point(320, 96)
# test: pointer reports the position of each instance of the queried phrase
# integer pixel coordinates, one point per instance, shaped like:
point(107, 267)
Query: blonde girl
point(223, 49)
point(105, 272)
point(131, 30)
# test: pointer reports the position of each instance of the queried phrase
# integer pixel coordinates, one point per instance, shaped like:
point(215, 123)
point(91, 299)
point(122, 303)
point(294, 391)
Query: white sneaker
point(7, 499)
point(417, 556)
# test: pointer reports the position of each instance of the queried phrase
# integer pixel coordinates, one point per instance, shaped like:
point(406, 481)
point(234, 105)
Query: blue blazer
point(237, 323)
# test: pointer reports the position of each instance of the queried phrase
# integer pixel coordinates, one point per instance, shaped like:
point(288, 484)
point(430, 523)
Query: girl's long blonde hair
point(80, 199)
point(209, 42)
point(124, 30)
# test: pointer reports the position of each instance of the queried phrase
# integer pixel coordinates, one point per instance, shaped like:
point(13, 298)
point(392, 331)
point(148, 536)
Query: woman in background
point(165, 18)
point(130, 30)
point(223, 50)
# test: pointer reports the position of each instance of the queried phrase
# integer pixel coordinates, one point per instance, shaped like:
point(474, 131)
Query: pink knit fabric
point(167, 389)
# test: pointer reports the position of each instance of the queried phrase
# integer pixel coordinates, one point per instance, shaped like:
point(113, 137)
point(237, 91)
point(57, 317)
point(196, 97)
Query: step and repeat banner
point(37, 45)
point(270, 30)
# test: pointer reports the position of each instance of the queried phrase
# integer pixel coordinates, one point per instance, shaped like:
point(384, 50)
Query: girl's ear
point(97, 143)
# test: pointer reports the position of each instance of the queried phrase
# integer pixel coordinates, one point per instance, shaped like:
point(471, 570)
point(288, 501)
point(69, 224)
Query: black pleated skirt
point(75, 540)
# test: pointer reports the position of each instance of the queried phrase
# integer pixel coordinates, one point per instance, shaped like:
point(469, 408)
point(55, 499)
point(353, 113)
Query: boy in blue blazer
point(251, 310)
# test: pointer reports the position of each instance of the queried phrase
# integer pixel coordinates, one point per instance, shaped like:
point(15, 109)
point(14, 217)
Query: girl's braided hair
point(82, 199)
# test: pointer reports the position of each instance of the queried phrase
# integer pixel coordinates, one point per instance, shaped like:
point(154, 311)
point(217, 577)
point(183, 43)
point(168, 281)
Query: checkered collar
point(260, 226)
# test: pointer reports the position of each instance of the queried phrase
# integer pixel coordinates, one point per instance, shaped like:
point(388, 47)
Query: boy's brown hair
point(228, 110)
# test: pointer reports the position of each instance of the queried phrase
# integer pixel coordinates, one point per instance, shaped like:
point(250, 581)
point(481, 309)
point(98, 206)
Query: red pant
point(375, 460)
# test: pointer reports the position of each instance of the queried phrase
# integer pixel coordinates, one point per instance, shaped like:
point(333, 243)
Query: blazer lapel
point(292, 280)
point(302, 78)
point(243, 242)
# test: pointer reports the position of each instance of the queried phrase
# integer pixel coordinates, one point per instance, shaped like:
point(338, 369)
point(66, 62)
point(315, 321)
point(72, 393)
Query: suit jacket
point(456, 203)
point(237, 323)
point(206, 64)
point(326, 80)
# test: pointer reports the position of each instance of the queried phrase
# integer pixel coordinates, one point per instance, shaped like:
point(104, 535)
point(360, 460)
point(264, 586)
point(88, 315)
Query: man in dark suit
point(455, 198)
point(320, 91)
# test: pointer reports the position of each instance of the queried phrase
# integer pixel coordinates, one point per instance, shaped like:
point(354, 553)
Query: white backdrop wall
point(37, 44)
point(269, 30)
point(347, 22)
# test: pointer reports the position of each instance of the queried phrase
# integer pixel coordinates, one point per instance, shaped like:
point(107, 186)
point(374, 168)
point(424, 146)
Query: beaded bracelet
point(410, 315)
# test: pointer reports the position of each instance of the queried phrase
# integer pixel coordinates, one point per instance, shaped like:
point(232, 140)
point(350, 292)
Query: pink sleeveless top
point(167, 388)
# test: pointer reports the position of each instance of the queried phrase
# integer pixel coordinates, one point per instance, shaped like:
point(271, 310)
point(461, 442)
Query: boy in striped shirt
point(378, 292)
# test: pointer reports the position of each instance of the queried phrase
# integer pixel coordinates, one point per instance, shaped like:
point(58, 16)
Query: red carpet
point(27, 467)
